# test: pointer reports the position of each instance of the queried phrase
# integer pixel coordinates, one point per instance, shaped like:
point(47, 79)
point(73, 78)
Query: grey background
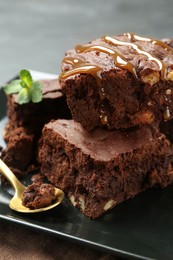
point(35, 34)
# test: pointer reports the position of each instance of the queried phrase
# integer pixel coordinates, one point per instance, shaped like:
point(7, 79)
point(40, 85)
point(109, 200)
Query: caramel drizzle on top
point(133, 37)
point(120, 61)
point(80, 66)
point(140, 50)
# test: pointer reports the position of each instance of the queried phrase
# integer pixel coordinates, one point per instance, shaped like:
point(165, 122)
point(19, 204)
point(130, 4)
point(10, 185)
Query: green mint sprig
point(26, 88)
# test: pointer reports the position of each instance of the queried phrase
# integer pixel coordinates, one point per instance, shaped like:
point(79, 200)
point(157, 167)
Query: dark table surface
point(35, 34)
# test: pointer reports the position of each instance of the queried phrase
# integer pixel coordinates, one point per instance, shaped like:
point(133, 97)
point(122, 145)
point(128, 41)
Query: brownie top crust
point(50, 89)
point(138, 55)
point(99, 143)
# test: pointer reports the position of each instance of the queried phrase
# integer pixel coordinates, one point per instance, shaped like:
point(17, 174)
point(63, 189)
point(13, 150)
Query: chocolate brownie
point(119, 82)
point(25, 124)
point(38, 195)
point(101, 168)
point(33, 116)
point(18, 153)
point(167, 129)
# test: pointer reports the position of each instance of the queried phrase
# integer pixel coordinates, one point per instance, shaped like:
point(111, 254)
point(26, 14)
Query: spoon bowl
point(16, 201)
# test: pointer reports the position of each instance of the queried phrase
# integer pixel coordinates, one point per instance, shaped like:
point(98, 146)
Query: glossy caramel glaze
point(139, 50)
point(120, 61)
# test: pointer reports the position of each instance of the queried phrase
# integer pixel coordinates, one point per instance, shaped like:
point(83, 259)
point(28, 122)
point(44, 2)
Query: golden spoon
point(16, 201)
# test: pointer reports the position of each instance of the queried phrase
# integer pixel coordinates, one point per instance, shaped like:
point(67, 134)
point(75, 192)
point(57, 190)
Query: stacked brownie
point(119, 90)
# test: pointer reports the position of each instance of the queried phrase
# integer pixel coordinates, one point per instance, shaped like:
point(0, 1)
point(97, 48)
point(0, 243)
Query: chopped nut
point(168, 91)
point(170, 76)
point(109, 204)
point(103, 119)
point(149, 103)
point(146, 117)
point(170, 168)
point(81, 203)
point(72, 199)
point(151, 77)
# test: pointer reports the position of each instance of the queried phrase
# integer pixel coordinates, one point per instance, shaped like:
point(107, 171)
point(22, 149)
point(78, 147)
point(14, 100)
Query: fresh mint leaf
point(26, 78)
point(27, 89)
point(13, 87)
point(24, 96)
point(23, 84)
point(36, 91)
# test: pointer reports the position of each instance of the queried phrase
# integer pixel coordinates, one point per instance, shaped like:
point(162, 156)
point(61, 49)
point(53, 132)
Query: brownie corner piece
point(25, 124)
point(18, 154)
point(34, 115)
point(100, 169)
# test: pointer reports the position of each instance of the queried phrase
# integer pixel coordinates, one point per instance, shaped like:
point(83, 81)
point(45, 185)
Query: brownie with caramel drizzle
point(119, 82)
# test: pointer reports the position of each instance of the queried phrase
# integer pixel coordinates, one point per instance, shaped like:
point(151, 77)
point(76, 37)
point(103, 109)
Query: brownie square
point(25, 124)
point(119, 82)
point(33, 116)
point(100, 169)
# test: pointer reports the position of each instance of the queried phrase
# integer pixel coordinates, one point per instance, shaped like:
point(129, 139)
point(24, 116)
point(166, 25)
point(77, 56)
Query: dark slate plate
point(138, 228)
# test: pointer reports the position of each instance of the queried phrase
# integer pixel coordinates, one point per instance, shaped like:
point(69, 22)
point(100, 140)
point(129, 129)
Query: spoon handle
point(10, 176)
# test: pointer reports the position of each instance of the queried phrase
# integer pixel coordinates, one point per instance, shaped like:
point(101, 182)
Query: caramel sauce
point(133, 37)
point(80, 66)
point(119, 59)
point(139, 50)
point(85, 68)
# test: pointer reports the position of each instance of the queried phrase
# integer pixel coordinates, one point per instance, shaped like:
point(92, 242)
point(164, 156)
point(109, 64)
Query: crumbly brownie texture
point(19, 151)
point(119, 82)
point(38, 195)
point(100, 169)
point(33, 116)
point(25, 124)
point(167, 129)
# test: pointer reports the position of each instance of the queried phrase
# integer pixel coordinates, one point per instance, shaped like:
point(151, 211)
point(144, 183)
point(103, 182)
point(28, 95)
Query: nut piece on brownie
point(119, 82)
point(99, 169)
